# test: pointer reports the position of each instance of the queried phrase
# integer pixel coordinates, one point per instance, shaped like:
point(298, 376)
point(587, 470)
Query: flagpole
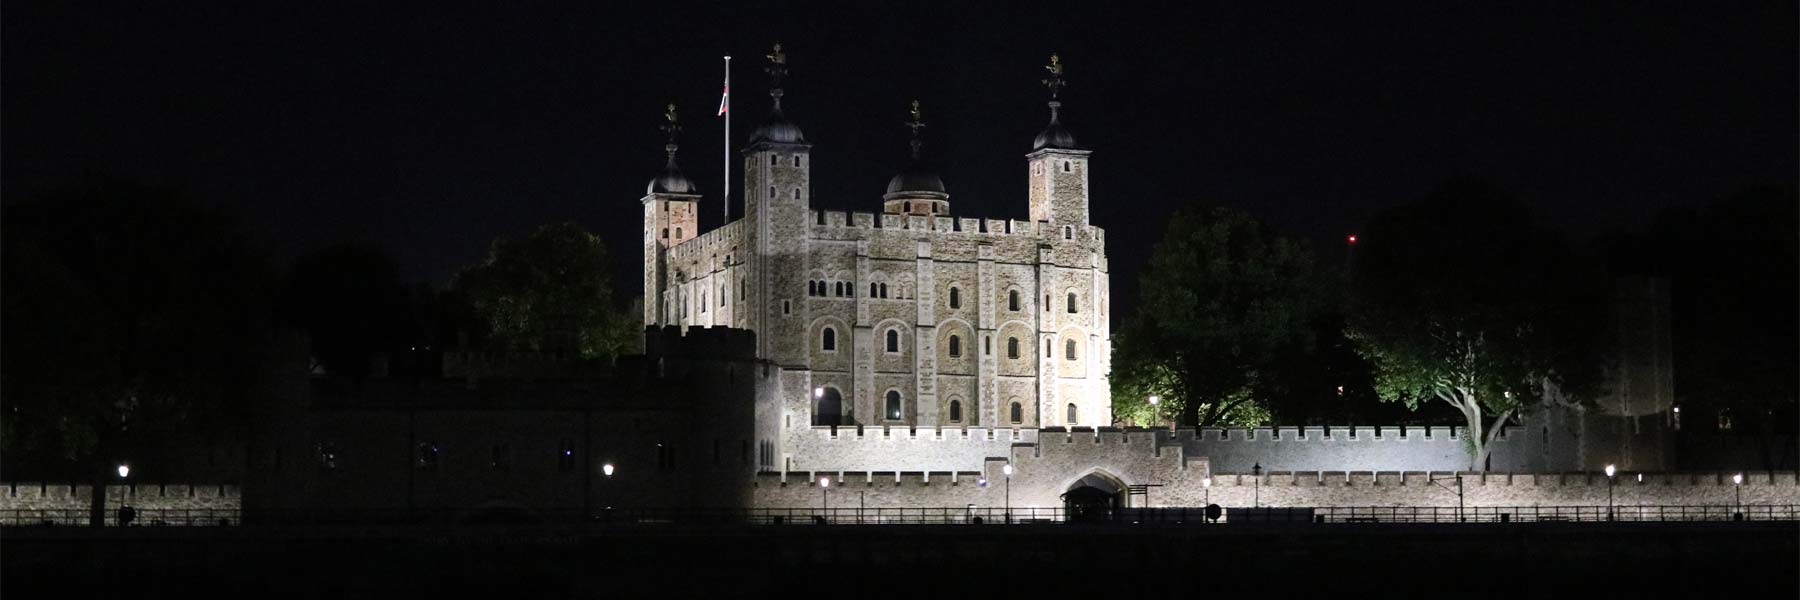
point(727, 195)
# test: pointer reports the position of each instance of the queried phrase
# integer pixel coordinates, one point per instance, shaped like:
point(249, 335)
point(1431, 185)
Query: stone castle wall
point(68, 504)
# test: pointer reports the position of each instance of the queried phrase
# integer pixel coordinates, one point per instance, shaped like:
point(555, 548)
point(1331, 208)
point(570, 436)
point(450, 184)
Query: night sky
point(434, 130)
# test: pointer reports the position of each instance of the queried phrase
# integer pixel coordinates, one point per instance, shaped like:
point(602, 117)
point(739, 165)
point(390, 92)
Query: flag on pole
point(725, 99)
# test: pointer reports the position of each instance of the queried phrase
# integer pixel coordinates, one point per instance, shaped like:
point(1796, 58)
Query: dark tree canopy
point(349, 301)
point(133, 317)
point(1223, 298)
point(1464, 297)
point(549, 292)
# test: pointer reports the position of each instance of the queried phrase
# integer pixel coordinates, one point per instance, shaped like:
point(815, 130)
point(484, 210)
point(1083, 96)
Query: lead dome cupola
point(671, 180)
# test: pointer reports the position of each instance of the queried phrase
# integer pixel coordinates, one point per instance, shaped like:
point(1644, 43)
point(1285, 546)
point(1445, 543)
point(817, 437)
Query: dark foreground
point(1518, 561)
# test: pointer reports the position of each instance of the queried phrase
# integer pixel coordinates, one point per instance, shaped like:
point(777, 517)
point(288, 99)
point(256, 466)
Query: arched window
point(884, 290)
point(906, 207)
point(1071, 303)
point(1017, 413)
point(1012, 347)
point(955, 411)
point(1049, 350)
point(1012, 300)
point(1065, 166)
point(828, 407)
point(796, 160)
point(678, 233)
point(893, 340)
point(771, 163)
point(828, 340)
point(893, 405)
point(724, 292)
point(874, 290)
point(1069, 349)
point(812, 288)
point(1068, 232)
point(955, 347)
point(796, 193)
point(1072, 415)
point(955, 297)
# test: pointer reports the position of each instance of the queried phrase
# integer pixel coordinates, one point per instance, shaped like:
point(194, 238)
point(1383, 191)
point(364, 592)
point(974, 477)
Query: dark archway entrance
point(1096, 497)
point(828, 407)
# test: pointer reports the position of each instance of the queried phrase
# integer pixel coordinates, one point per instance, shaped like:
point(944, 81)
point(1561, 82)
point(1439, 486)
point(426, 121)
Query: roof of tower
point(671, 181)
point(917, 176)
point(777, 129)
point(1054, 135)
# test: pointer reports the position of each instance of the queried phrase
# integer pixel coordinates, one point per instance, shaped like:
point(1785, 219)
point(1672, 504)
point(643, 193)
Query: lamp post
point(1155, 411)
point(1206, 484)
point(605, 485)
point(1256, 499)
point(1737, 483)
point(1609, 491)
point(1008, 471)
point(825, 491)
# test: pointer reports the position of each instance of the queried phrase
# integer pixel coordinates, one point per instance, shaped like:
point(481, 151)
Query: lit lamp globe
point(124, 471)
point(1737, 479)
point(607, 469)
point(1610, 470)
point(824, 482)
point(1007, 470)
point(1206, 482)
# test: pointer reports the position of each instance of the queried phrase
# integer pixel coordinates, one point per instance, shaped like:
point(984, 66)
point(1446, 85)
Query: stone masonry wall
point(69, 499)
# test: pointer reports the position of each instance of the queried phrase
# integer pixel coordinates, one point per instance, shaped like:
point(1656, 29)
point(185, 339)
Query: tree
point(549, 292)
point(349, 301)
point(1464, 298)
point(1224, 296)
point(135, 320)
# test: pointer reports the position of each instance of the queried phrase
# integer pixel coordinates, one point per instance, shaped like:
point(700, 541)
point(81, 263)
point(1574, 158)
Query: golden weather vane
point(1055, 81)
point(914, 122)
point(777, 68)
point(672, 125)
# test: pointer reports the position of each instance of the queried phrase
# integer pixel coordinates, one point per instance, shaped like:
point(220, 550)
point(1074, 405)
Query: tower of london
point(911, 316)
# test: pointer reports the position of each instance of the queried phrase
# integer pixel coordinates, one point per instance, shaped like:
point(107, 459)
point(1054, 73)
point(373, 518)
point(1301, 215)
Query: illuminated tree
point(1224, 295)
point(1463, 298)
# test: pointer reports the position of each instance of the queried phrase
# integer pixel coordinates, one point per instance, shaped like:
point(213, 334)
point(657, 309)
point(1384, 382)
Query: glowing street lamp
point(607, 469)
point(1206, 484)
point(1737, 483)
point(1609, 491)
point(124, 471)
point(825, 491)
point(1008, 471)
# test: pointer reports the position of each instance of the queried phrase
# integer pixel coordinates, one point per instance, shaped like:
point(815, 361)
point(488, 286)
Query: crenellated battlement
point(709, 243)
point(829, 220)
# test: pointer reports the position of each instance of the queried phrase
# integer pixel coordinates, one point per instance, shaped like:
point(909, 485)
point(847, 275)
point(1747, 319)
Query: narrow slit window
point(893, 340)
point(955, 347)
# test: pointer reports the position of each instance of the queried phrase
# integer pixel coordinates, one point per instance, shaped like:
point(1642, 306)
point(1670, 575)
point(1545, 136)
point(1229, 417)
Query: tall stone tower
point(777, 189)
point(1059, 183)
point(670, 201)
point(1073, 367)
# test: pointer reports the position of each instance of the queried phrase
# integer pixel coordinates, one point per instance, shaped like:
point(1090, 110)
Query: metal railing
point(1171, 516)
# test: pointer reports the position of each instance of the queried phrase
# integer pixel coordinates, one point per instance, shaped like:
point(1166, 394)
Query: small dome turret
point(670, 180)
